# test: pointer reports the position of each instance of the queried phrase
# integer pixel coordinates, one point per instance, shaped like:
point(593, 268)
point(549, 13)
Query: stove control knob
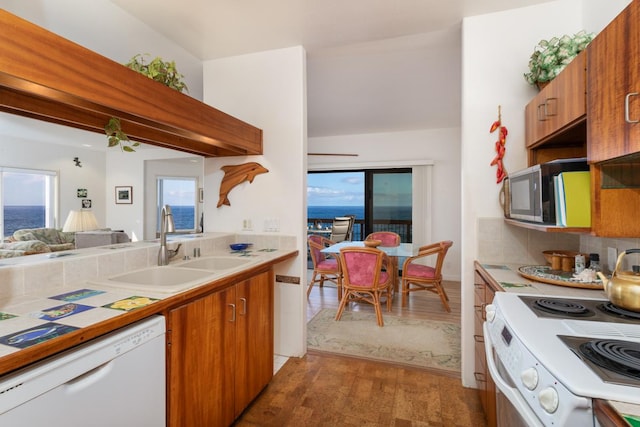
point(490, 312)
point(529, 378)
point(549, 399)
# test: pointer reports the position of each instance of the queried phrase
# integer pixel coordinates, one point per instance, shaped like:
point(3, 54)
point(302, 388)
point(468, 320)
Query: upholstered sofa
point(55, 239)
point(21, 248)
point(30, 241)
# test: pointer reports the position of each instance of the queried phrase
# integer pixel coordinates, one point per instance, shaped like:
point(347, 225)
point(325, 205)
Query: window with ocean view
point(181, 194)
point(381, 200)
point(27, 198)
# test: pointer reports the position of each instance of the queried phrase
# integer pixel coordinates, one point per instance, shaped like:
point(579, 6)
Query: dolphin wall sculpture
point(235, 175)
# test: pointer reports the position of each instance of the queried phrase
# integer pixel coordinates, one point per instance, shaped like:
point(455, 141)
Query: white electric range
point(545, 355)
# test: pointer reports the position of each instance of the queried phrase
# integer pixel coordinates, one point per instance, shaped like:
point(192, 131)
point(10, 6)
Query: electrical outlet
point(612, 257)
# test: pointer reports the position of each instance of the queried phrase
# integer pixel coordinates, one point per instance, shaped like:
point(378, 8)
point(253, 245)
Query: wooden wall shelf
point(47, 77)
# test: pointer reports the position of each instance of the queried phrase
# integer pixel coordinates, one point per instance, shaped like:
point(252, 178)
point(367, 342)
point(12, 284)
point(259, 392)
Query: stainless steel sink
point(216, 263)
point(159, 279)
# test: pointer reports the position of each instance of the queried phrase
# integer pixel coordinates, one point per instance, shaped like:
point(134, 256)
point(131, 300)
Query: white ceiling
point(373, 65)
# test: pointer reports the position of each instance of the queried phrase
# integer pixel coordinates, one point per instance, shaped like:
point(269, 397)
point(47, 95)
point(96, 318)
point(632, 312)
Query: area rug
point(416, 342)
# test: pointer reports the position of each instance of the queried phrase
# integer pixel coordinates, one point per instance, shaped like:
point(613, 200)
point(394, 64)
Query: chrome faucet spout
point(166, 226)
point(171, 253)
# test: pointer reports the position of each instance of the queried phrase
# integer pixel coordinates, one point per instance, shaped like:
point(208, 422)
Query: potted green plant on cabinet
point(157, 69)
point(549, 57)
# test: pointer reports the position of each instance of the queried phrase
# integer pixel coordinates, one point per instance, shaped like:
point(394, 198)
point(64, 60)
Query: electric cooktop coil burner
point(609, 308)
point(622, 357)
point(564, 307)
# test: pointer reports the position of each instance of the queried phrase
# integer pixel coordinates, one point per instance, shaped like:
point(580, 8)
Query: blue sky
point(178, 192)
point(21, 189)
point(335, 189)
point(347, 189)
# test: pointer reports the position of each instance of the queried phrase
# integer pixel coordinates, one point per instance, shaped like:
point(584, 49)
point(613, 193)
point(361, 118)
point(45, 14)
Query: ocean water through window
point(28, 199)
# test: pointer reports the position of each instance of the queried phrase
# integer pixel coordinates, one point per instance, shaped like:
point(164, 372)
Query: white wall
point(440, 146)
point(496, 50)
point(268, 90)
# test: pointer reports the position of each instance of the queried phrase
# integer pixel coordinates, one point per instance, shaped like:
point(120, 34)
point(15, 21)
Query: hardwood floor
point(325, 390)
point(328, 390)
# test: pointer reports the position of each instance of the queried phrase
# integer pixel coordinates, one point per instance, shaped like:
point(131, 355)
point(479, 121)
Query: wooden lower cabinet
point(484, 293)
point(220, 353)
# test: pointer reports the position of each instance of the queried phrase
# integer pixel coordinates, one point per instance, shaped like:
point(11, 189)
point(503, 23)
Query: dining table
point(401, 251)
point(321, 231)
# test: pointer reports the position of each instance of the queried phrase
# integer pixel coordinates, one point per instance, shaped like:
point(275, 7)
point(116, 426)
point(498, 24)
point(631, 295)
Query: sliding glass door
point(388, 202)
point(381, 199)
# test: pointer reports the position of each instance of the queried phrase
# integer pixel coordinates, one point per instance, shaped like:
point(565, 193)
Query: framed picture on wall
point(82, 192)
point(124, 195)
point(86, 203)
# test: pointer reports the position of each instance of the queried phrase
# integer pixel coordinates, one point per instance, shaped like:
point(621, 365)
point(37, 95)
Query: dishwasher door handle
point(82, 381)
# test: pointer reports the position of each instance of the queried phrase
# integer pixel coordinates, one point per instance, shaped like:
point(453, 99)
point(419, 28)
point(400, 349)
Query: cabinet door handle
point(626, 108)
point(542, 116)
point(233, 312)
point(480, 377)
point(547, 103)
point(244, 306)
point(480, 309)
point(478, 338)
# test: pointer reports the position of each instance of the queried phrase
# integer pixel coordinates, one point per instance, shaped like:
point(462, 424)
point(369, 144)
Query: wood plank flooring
point(328, 390)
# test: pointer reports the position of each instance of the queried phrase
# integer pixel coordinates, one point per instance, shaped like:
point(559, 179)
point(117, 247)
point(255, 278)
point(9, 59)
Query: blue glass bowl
point(239, 246)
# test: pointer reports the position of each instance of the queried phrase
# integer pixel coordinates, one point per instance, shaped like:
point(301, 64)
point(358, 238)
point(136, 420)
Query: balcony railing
point(402, 227)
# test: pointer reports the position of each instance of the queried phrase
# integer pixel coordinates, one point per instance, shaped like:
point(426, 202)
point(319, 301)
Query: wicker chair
point(420, 277)
point(388, 239)
point(325, 267)
point(365, 279)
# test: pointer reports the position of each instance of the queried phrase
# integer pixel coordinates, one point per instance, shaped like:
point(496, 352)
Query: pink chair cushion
point(361, 269)
point(319, 256)
point(387, 240)
point(328, 264)
point(417, 270)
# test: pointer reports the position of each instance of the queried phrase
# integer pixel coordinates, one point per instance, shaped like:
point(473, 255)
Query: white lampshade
point(82, 220)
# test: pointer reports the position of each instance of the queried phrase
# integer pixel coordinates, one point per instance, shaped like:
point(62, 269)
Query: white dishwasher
point(118, 379)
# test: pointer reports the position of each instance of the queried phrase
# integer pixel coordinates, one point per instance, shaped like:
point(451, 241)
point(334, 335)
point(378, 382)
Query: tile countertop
point(82, 306)
point(507, 276)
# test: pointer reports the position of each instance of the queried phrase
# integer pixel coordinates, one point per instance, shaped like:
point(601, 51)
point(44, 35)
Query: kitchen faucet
point(166, 226)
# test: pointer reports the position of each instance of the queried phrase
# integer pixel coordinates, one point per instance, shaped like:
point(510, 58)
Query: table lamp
point(82, 220)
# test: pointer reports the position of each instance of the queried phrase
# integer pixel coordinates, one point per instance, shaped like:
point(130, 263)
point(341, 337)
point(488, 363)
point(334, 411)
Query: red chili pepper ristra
point(500, 147)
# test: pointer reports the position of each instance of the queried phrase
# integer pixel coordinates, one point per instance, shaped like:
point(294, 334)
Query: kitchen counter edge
point(36, 353)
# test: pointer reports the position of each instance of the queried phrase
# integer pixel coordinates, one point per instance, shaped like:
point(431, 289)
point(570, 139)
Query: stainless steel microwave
point(531, 191)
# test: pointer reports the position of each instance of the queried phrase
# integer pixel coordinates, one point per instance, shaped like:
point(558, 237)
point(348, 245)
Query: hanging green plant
point(159, 70)
point(116, 136)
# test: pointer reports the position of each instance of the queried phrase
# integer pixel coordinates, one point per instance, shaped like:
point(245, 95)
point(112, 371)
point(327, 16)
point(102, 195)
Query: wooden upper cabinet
point(613, 79)
point(47, 77)
point(559, 107)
